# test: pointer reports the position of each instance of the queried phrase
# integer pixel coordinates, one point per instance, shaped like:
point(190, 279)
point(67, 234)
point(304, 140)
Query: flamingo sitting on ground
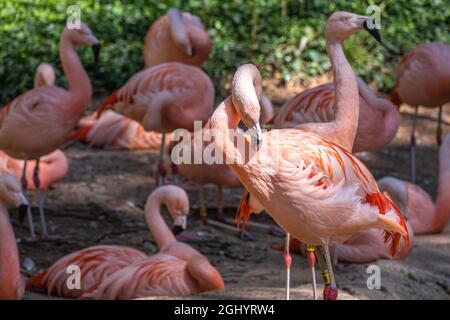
point(177, 37)
point(11, 284)
point(52, 168)
point(118, 272)
point(313, 188)
point(424, 216)
point(378, 120)
point(423, 79)
point(38, 121)
point(164, 98)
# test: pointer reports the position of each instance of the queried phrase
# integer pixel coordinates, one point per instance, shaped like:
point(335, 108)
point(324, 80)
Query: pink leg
point(413, 147)
point(312, 262)
point(288, 264)
point(330, 292)
point(161, 172)
point(439, 128)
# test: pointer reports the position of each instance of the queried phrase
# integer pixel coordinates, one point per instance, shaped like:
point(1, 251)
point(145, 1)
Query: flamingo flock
point(303, 172)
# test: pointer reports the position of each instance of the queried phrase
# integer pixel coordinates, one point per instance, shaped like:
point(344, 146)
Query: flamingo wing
point(95, 264)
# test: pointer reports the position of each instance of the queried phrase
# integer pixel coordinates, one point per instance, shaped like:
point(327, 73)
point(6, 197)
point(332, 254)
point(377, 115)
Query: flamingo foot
point(330, 292)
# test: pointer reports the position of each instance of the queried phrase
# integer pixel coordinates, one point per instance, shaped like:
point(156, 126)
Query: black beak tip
point(22, 211)
point(373, 31)
point(176, 230)
point(96, 50)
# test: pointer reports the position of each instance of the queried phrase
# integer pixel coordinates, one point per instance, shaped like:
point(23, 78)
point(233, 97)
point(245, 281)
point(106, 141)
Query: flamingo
point(45, 75)
point(118, 272)
point(11, 284)
point(312, 187)
point(423, 79)
point(113, 131)
point(37, 122)
point(378, 120)
point(164, 98)
point(424, 216)
point(177, 37)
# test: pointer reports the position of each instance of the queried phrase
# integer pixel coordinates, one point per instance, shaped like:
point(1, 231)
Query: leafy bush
point(285, 38)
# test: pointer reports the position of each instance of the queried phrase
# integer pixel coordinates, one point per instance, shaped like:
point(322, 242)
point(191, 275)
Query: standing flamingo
point(424, 216)
point(37, 122)
point(118, 272)
point(313, 188)
point(177, 37)
point(11, 285)
point(378, 120)
point(163, 98)
point(423, 79)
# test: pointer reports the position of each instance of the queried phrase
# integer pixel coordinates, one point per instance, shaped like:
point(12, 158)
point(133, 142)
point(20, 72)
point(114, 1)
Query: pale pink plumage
point(378, 121)
point(117, 272)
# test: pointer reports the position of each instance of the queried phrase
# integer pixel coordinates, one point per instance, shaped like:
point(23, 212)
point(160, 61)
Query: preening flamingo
point(219, 174)
point(177, 37)
point(118, 272)
point(378, 120)
point(423, 79)
point(11, 284)
point(313, 188)
point(37, 122)
point(424, 216)
point(163, 98)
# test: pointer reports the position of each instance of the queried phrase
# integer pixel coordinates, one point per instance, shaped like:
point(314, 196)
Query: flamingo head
point(177, 203)
point(11, 193)
point(179, 31)
point(83, 36)
point(341, 25)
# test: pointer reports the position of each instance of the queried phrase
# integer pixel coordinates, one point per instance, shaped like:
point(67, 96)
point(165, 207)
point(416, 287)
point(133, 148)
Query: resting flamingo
point(118, 272)
point(324, 175)
point(37, 122)
point(163, 98)
point(378, 120)
point(11, 284)
point(177, 37)
point(423, 79)
point(424, 216)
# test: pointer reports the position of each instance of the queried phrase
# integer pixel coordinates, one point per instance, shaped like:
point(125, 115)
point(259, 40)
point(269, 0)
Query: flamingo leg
point(24, 189)
point(288, 264)
point(40, 200)
point(439, 127)
point(330, 291)
point(220, 213)
point(161, 172)
point(311, 262)
point(413, 147)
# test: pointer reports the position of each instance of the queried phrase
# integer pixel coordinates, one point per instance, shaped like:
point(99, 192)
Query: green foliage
point(285, 38)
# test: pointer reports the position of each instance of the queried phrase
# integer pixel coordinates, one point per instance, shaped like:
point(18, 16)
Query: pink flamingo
point(112, 131)
point(38, 121)
point(11, 284)
point(378, 120)
point(164, 98)
point(118, 272)
point(424, 216)
point(423, 79)
point(177, 37)
point(53, 167)
point(297, 176)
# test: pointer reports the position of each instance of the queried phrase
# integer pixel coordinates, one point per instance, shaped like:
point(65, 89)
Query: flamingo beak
point(180, 224)
point(96, 50)
point(372, 30)
point(256, 136)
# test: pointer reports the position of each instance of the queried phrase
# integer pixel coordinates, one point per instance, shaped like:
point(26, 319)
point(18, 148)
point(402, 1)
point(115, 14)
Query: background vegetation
point(283, 37)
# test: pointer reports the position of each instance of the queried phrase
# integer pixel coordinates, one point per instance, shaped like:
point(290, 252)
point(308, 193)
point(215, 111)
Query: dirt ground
point(101, 201)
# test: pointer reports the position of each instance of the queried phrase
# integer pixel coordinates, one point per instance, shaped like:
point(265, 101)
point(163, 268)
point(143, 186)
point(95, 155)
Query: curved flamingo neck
point(391, 120)
point(79, 83)
point(155, 222)
point(442, 200)
point(10, 283)
point(346, 94)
